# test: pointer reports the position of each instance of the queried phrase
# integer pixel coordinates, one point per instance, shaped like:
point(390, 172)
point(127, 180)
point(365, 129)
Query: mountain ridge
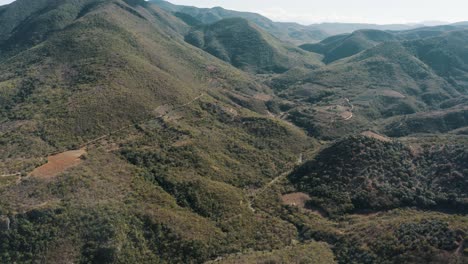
point(244, 45)
point(122, 142)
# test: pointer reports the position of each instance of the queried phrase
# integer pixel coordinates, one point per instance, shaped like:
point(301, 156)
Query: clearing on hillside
point(298, 199)
point(58, 163)
point(376, 136)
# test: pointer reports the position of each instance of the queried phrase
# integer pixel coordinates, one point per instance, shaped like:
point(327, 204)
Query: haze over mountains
point(146, 132)
point(292, 32)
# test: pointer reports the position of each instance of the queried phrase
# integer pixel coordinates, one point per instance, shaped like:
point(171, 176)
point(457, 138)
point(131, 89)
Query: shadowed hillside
point(245, 46)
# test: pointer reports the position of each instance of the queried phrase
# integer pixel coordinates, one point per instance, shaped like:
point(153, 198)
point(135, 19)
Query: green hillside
point(162, 183)
point(242, 44)
point(343, 46)
point(134, 132)
point(447, 55)
point(387, 80)
point(366, 174)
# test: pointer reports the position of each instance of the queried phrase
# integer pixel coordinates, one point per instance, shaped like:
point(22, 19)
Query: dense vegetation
point(239, 42)
point(187, 158)
point(343, 46)
point(366, 174)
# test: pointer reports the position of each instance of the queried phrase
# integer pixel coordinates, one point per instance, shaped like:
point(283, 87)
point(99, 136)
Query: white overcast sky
point(363, 11)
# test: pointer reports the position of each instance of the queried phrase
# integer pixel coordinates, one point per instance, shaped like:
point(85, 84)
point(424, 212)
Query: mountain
point(446, 54)
point(343, 28)
point(463, 23)
point(286, 31)
point(289, 32)
point(133, 145)
point(124, 140)
point(242, 44)
point(346, 45)
point(342, 46)
point(383, 79)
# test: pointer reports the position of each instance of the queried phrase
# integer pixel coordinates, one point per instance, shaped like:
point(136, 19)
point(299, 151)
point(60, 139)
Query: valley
point(147, 132)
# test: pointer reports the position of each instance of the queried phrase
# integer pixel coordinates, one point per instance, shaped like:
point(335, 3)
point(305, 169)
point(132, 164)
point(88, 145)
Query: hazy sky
point(365, 11)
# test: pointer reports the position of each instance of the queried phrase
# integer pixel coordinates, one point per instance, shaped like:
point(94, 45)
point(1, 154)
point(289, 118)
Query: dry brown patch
point(263, 97)
point(182, 143)
point(162, 110)
point(58, 163)
point(346, 115)
point(298, 199)
point(376, 136)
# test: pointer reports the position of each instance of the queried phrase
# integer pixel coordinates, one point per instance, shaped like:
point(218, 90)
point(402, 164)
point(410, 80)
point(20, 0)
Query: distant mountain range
point(145, 132)
point(291, 32)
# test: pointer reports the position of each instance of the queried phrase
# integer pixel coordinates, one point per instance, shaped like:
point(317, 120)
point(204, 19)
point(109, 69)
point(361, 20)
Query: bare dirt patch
point(298, 199)
point(346, 115)
point(58, 163)
point(263, 97)
point(182, 143)
point(376, 136)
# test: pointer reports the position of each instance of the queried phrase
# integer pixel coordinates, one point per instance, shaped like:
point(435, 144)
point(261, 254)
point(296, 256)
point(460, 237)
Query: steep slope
point(172, 136)
point(447, 55)
point(131, 64)
point(122, 143)
point(245, 46)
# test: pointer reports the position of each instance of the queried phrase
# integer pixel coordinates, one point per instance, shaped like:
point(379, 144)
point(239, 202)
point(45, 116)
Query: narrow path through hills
point(251, 197)
point(272, 182)
point(280, 177)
